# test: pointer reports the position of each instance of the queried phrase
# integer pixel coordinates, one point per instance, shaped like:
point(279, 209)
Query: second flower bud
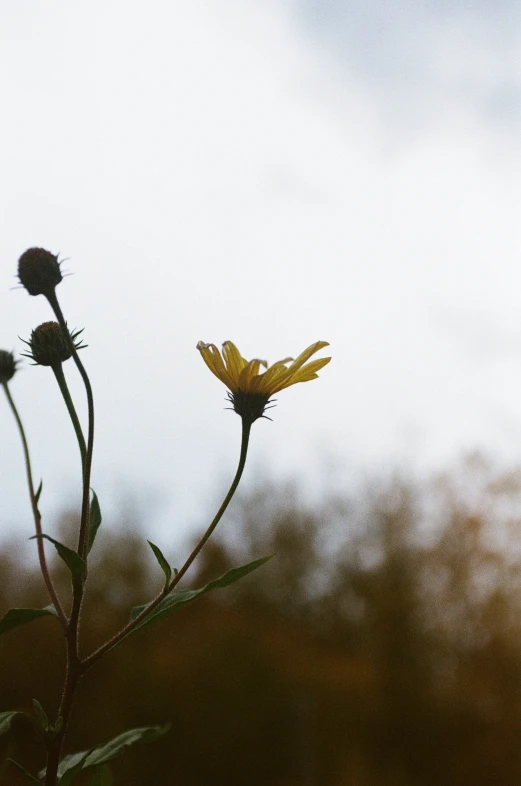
point(50, 346)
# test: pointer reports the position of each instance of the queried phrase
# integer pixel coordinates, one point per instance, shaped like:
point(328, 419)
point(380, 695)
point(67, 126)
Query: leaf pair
point(176, 599)
point(16, 617)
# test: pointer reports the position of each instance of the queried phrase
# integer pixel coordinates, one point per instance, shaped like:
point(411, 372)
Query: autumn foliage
point(381, 646)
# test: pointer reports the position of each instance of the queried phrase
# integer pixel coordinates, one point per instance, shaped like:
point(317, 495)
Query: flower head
point(250, 391)
point(39, 271)
point(7, 366)
point(50, 346)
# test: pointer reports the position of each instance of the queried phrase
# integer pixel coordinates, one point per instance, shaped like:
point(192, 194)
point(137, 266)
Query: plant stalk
point(97, 654)
point(84, 523)
point(74, 670)
point(72, 677)
point(62, 383)
point(36, 513)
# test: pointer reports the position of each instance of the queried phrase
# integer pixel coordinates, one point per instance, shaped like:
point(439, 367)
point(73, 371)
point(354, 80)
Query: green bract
point(50, 346)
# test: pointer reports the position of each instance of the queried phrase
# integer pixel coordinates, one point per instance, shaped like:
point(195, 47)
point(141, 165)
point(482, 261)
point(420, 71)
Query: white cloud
point(214, 173)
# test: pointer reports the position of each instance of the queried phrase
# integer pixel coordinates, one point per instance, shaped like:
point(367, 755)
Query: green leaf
point(5, 720)
point(38, 492)
point(71, 558)
point(101, 776)
point(40, 714)
point(69, 767)
point(176, 599)
point(94, 519)
point(165, 567)
point(16, 617)
point(28, 775)
point(68, 774)
point(102, 754)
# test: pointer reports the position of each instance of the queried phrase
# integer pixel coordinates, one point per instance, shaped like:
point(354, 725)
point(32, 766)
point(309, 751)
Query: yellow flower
point(249, 390)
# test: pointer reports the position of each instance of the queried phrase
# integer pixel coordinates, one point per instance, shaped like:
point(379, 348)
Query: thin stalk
point(85, 506)
point(74, 671)
point(97, 654)
point(72, 677)
point(36, 513)
point(246, 428)
point(62, 383)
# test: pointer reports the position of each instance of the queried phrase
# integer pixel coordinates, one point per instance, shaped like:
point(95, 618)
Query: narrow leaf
point(28, 775)
point(40, 714)
point(179, 598)
point(94, 519)
point(38, 492)
point(68, 774)
point(16, 617)
point(176, 599)
point(71, 558)
point(102, 754)
point(69, 767)
point(5, 720)
point(105, 753)
point(165, 567)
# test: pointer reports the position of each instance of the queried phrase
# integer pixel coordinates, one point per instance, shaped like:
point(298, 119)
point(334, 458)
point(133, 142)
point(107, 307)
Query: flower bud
point(7, 366)
point(49, 345)
point(39, 271)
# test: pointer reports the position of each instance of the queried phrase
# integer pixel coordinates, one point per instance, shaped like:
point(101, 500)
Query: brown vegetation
point(380, 646)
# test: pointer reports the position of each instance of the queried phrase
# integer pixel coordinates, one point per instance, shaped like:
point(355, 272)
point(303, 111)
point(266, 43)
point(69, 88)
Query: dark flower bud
point(39, 271)
point(7, 366)
point(50, 346)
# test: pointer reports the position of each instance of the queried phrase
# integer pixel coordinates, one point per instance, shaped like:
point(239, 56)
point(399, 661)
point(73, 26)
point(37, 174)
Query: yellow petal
point(266, 382)
point(304, 374)
point(212, 358)
point(307, 354)
point(250, 371)
point(234, 361)
point(309, 368)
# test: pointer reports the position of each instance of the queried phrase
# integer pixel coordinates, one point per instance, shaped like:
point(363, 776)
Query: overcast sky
point(274, 172)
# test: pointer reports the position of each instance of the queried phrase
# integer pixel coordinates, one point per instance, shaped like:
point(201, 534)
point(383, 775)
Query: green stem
point(73, 668)
point(85, 505)
point(62, 383)
point(36, 513)
point(246, 428)
point(72, 677)
point(97, 654)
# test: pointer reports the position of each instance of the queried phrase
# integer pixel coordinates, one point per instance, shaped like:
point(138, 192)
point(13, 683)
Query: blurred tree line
point(380, 647)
